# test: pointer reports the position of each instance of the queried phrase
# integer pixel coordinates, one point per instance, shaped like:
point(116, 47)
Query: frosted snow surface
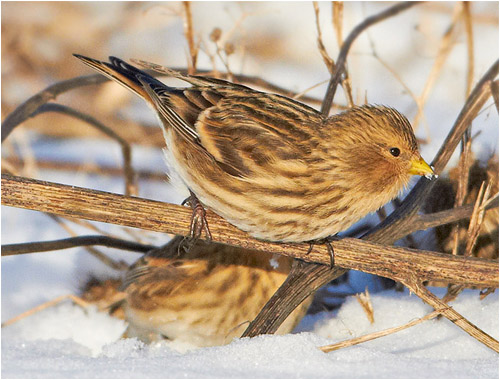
point(66, 342)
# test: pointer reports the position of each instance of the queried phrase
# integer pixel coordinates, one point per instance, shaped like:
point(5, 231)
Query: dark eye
point(395, 151)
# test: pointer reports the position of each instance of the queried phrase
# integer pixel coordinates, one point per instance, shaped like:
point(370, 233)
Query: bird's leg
point(198, 220)
point(328, 241)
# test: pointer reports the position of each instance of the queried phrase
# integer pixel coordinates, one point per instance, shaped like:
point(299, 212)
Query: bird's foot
point(328, 241)
point(198, 221)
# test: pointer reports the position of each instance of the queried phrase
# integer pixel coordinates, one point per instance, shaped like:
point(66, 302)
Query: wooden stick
point(386, 261)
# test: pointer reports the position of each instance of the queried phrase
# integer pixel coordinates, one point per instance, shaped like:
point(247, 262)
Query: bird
point(205, 297)
point(271, 166)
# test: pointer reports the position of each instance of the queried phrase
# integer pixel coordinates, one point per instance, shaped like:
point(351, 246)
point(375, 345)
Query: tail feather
point(150, 89)
point(123, 73)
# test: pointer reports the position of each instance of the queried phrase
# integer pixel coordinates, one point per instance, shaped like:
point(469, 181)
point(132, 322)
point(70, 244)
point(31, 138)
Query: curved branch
point(130, 188)
point(24, 111)
point(342, 57)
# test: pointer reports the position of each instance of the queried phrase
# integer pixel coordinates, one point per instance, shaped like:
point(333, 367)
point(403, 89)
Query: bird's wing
point(241, 129)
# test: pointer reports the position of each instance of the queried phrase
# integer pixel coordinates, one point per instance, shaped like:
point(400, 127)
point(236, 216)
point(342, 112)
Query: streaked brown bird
point(272, 166)
point(205, 297)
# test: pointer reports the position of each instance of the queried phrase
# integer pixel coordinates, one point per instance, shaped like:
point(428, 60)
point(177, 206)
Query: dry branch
point(79, 241)
point(342, 57)
point(12, 164)
point(130, 186)
point(386, 261)
point(24, 111)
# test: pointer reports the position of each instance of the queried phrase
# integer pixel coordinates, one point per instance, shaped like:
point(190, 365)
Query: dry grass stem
point(366, 303)
point(337, 18)
point(330, 65)
point(415, 285)
point(301, 94)
point(447, 43)
point(477, 217)
point(77, 300)
point(319, 40)
point(372, 336)
point(463, 182)
point(470, 46)
point(475, 223)
point(188, 33)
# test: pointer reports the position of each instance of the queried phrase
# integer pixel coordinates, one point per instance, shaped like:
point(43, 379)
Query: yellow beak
point(420, 167)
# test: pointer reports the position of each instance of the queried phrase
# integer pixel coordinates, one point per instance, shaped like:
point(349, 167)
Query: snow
point(66, 341)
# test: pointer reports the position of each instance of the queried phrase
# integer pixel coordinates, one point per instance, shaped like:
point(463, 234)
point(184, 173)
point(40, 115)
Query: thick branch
point(152, 215)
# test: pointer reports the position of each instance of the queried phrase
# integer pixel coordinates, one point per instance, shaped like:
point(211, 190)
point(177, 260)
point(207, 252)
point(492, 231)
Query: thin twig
point(23, 112)
point(494, 92)
point(379, 334)
point(105, 259)
point(341, 59)
point(79, 241)
point(426, 221)
point(130, 186)
point(55, 301)
point(13, 163)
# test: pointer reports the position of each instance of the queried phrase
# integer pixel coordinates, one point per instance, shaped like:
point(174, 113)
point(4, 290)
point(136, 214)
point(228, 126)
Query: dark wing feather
point(160, 96)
